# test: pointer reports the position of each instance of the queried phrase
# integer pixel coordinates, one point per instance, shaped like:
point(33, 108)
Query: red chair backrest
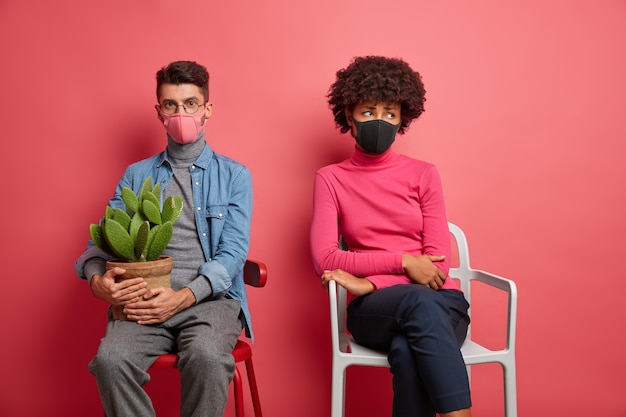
point(255, 273)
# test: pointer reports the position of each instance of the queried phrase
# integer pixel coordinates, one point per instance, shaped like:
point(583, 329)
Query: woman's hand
point(422, 270)
point(354, 285)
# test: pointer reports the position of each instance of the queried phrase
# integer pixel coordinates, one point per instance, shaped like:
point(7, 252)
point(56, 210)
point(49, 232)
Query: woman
point(389, 210)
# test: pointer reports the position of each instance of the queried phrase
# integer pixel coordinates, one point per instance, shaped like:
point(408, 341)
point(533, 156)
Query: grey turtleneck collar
point(188, 153)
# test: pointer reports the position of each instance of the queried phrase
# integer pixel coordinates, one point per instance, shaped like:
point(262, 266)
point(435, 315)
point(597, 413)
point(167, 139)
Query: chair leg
point(254, 390)
point(239, 409)
point(338, 392)
point(510, 391)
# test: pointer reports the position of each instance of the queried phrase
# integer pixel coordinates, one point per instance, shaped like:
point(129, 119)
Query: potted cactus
point(136, 237)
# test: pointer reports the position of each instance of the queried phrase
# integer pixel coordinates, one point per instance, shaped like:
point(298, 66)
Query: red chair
point(255, 275)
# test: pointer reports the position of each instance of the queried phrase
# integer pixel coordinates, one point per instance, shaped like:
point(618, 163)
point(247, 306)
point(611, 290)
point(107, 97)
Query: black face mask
point(375, 136)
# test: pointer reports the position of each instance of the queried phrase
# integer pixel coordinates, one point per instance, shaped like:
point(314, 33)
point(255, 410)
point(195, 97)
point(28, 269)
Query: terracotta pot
point(156, 273)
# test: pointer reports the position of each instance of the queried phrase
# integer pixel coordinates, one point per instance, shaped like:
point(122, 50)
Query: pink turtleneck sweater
point(383, 206)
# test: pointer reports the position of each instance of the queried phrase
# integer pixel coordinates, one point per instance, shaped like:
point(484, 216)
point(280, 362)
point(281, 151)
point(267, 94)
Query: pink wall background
point(525, 120)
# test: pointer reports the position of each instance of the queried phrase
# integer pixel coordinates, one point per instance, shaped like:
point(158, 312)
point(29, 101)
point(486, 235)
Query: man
point(202, 315)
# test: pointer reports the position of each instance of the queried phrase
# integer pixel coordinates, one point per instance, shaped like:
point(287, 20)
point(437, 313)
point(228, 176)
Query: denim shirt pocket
point(216, 216)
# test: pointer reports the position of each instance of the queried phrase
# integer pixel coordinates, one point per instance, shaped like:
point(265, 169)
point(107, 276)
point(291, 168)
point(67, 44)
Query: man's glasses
point(191, 106)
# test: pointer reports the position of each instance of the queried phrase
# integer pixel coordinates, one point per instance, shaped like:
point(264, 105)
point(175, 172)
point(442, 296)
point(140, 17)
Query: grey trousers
point(203, 335)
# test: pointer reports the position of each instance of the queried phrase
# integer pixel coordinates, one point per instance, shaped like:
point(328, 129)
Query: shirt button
point(197, 183)
point(203, 234)
point(198, 208)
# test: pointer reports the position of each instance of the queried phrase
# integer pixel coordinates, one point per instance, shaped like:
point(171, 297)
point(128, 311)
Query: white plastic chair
point(347, 352)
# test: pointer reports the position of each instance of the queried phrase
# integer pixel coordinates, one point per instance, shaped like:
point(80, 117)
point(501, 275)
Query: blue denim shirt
point(222, 196)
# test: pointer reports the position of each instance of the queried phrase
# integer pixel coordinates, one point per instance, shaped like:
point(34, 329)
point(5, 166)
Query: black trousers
point(422, 329)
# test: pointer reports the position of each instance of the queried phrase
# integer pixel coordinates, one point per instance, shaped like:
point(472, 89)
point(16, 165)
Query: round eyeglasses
point(191, 106)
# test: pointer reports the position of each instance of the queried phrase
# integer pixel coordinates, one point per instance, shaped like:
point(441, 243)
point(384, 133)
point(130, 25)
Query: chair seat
point(354, 352)
point(241, 352)
point(473, 353)
point(166, 361)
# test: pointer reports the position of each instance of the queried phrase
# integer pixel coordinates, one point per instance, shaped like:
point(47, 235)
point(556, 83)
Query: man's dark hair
point(184, 72)
point(382, 80)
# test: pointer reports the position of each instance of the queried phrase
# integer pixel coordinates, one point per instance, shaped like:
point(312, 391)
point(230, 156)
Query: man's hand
point(127, 291)
point(422, 270)
point(158, 305)
point(354, 285)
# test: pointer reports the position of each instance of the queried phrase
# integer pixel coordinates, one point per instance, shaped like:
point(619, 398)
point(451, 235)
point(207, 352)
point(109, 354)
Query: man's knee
point(202, 357)
point(112, 362)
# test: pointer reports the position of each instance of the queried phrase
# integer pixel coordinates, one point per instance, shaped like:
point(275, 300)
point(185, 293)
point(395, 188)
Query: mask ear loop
point(352, 124)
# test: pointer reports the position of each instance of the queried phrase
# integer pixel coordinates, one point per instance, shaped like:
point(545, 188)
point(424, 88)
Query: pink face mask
point(182, 127)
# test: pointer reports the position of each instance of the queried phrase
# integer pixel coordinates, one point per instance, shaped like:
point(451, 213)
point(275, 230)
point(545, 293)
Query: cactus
point(142, 231)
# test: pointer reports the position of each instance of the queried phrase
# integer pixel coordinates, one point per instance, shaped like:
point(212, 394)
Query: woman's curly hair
point(380, 79)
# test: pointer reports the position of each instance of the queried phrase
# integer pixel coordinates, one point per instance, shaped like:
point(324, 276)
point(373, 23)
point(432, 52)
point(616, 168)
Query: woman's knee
point(400, 355)
point(421, 301)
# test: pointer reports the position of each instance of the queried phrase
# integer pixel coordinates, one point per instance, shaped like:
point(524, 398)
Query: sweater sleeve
point(324, 241)
point(435, 233)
